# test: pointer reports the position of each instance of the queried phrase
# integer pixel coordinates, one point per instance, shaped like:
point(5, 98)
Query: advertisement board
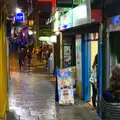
point(78, 59)
point(65, 86)
point(66, 20)
point(82, 14)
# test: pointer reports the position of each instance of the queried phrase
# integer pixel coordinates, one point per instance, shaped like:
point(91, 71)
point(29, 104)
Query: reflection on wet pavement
point(32, 97)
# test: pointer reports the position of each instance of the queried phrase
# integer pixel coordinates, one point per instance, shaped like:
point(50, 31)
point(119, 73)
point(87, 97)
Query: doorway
point(89, 52)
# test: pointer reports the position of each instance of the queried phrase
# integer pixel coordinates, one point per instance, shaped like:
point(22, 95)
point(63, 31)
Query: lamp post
point(106, 50)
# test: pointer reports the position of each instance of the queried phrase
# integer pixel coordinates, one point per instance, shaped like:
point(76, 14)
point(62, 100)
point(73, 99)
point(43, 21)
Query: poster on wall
point(67, 56)
point(78, 59)
point(65, 86)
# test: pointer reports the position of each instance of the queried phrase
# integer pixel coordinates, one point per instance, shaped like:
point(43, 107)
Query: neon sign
point(19, 17)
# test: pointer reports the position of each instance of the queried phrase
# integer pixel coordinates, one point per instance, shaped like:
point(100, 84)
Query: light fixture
point(30, 32)
point(23, 34)
point(53, 39)
point(44, 38)
point(57, 33)
point(35, 32)
point(18, 10)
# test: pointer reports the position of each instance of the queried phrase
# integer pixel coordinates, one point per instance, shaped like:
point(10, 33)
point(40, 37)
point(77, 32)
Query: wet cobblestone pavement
point(32, 97)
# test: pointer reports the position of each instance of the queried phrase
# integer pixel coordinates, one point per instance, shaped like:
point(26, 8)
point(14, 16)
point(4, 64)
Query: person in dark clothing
point(22, 45)
point(95, 61)
point(29, 56)
point(22, 56)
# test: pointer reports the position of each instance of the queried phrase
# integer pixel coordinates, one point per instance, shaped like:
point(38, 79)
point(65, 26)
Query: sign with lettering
point(65, 86)
point(19, 17)
point(64, 3)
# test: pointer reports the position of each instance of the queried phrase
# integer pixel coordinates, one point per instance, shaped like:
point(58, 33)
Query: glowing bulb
point(18, 10)
point(30, 32)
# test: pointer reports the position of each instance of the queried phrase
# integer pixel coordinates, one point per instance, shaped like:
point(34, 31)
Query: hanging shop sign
point(66, 20)
point(19, 18)
point(65, 86)
point(64, 3)
point(45, 32)
point(82, 14)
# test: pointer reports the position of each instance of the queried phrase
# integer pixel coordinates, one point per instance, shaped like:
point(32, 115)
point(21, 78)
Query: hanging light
point(18, 10)
point(30, 32)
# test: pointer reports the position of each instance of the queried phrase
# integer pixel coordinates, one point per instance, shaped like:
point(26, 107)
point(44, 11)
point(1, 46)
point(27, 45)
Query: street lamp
point(18, 10)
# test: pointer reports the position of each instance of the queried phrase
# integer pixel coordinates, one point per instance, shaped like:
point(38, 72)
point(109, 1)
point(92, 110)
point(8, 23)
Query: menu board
point(65, 86)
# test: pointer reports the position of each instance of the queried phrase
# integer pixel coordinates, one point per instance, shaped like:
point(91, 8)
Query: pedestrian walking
point(29, 57)
point(21, 58)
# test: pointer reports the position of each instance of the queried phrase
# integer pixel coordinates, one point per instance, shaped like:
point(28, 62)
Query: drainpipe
point(105, 50)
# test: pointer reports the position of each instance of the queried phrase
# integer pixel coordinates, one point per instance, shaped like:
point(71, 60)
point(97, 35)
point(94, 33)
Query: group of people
point(40, 53)
point(44, 52)
point(110, 100)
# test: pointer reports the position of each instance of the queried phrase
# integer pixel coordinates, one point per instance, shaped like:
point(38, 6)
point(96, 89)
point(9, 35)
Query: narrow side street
point(32, 97)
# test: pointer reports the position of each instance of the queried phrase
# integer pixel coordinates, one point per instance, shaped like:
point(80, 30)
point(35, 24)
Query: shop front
point(113, 36)
point(85, 32)
point(78, 42)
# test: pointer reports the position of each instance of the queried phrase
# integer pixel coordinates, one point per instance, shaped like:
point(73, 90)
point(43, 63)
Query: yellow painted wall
point(3, 69)
point(94, 51)
point(79, 89)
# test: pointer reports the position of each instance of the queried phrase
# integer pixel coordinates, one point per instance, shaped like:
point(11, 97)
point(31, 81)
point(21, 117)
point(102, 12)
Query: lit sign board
point(116, 19)
point(19, 17)
point(67, 20)
point(80, 15)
